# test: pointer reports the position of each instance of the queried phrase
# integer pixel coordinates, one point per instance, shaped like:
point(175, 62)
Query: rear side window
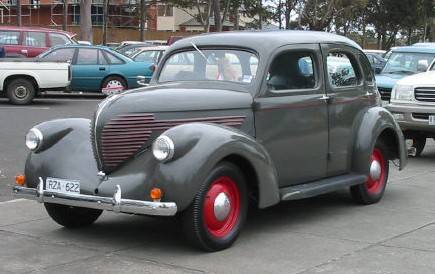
point(58, 39)
point(113, 60)
point(292, 70)
point(34, 39)
point(342, 70)
point(87, 57)
point(9, 37)
point(367, 69)
point(60, 55)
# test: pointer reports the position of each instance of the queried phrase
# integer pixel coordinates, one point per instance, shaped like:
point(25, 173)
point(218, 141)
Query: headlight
point(33, 139)
point(403, 92)
point(163, 148)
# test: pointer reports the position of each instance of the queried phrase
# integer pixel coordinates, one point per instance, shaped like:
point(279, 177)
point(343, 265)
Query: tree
point(198, 9)
point(86, 20)
point(318, 14)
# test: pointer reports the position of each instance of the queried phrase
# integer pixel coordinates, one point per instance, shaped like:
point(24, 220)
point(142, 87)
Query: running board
point(321, 187)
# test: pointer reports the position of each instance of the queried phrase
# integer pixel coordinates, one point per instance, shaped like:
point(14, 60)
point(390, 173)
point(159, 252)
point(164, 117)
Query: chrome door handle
point(325, 98)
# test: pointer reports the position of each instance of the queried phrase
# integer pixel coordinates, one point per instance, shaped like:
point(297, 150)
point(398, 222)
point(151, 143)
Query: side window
point(87, 57)
point(58, 39)
point(292, 70)
point(101, 59)
point(34, 39)
point(113, 60)
point(367, 69)
point(342, 70)
point(60, 55)
point(9, 37)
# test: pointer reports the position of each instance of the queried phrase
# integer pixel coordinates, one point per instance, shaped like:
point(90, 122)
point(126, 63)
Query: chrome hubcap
point(222, 206)
point(375, 170)
point(21, 92)
point(114, 84)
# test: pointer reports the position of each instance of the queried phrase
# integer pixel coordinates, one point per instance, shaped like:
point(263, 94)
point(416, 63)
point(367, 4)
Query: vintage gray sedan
point(229, 120)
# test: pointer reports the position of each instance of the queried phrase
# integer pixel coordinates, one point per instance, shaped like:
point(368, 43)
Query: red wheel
point(214, 219)
point(375, 183)
point(373, 190)
point(221, 207)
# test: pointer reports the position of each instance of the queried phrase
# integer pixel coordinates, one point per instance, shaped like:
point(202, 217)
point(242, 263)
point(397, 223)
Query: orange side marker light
point(156, 194)
point(20, 180)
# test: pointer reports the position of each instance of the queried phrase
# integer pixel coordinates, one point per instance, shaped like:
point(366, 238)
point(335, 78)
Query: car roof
point(263, 42)
point(415, 49)
point(154, 48)
point(16, 28)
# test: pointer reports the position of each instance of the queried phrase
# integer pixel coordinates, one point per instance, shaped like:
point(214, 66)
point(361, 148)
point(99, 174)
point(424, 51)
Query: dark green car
point(228, 120)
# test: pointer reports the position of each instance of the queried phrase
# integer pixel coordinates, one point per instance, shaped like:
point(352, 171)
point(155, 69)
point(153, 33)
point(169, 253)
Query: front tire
point(72, 217)
point(20, 91)
point(418, 142)
point(114, 82)
point(372, 191)
point(218, 212)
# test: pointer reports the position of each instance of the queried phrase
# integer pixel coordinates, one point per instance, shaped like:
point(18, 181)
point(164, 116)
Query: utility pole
point(105, 20)
point(65, 15)
point(19, 19)
point(142, 20)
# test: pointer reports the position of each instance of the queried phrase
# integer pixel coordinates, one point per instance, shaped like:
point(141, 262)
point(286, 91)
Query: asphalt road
point(326, 234)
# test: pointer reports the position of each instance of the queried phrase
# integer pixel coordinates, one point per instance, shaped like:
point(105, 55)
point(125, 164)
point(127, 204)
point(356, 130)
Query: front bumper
point(412, 116)
point(115, 203)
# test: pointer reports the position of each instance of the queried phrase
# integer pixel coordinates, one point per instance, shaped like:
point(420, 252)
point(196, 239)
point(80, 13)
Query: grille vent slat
point(385, 93)
point(425, 94)
point(124, 135)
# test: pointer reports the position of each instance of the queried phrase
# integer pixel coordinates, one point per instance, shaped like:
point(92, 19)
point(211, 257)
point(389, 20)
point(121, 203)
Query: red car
point(31, 41)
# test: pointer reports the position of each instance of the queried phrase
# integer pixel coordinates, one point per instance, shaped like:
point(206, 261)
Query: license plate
point(432, 120)
point(62, 186)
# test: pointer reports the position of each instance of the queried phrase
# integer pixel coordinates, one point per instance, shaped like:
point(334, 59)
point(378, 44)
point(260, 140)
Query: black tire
point(20, 91)
point(419, 142)
point(194, 217)
point(107, 81)
point(72, 217)
point(373, 190)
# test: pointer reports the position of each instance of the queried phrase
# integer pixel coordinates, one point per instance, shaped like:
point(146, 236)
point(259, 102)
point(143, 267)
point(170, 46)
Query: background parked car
point(148, 54)
point(403, 61)
point(376, 61)
point(127, 48)
point(30, 42)
point(96, 68)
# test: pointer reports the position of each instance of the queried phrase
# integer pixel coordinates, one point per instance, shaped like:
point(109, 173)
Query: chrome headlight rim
point(157, 151)
point(39, 138)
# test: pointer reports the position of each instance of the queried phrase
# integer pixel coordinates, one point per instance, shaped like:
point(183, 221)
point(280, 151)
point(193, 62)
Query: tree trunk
point(65, 15)
point(217, 15)
point(86, 20)
point(207, 16)
point(105, 21)
point(236, 19)
point(288, 10)
point(142, 20)
point(260, 14)
point(409, 41)
point(19, 19)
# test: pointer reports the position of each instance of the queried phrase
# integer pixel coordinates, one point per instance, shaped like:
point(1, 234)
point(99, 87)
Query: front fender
point(198, 148)
point(375, 122)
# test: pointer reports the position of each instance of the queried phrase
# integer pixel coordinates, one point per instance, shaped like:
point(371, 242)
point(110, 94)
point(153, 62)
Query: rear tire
point(373, 190)
point(72, 217)
point(218, 212)
point(20, 91)
point(113, 82)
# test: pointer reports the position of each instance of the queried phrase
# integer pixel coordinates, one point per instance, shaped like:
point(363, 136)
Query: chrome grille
point(125, 134)
point(425, 94)
point(385, 93)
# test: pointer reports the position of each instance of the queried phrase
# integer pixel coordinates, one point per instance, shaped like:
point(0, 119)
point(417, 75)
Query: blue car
point(403, 61)
point(97, 68)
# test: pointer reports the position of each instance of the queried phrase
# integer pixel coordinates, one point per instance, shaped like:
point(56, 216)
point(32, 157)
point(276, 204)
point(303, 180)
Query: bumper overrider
point(115, 203)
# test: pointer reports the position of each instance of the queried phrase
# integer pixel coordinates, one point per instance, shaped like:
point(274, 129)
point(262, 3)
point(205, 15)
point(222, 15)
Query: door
point(34, 43)
point(348, 99)
point(89, 69)
point(291, 116)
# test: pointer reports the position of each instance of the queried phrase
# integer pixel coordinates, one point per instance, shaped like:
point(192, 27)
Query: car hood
point(126, 124)
point(388, 80)
point(423, 79)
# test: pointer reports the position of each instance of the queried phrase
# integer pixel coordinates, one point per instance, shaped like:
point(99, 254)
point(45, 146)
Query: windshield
point(210, 65)
point(408, 62)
